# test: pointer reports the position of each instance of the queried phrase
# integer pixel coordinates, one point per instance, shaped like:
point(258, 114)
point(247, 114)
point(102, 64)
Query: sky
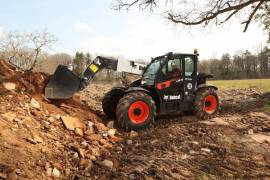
point(93, 26)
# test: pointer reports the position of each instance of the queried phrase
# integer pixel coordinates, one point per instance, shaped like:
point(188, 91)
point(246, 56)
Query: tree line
point(242, 65)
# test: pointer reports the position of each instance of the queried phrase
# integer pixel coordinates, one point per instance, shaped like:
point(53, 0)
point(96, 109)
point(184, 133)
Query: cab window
point(189, 66)
point(173, 69)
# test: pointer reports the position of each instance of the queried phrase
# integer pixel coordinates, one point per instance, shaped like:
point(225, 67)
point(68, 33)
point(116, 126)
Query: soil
point(35, 142)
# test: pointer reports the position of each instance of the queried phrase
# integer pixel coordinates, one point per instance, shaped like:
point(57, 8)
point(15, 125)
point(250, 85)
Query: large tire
point(136, 111)
point(206, 103)
point(110, 101)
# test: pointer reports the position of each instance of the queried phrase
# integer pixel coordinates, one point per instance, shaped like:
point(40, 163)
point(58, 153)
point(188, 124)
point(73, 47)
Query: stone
point(206, 150)
point(84, 144)
point(195, 142)
point(79, 132)
point(10, 116)
point(129, 141)
point(250, 131)
point(107, 145)
point(110, 124)
point(132, 176)
point(38, 139)
point(118, 148)
point(133, 134)
point(35, 140)
point(192, 152)
point(9, 86)
point(55, 173)
point(90, 124)
point(95, 152)
point(111, 132)
point(51, 119)
point(89, 131)
point(34, 104)
point(101, 127)
point(75, 155)
point(107, 164)
point(82, 152)
point(86, 164)
point(47, 165)
point(57, 116)
point(49, 171)
point(71, 123)
point(93, 137)
point(102, 141)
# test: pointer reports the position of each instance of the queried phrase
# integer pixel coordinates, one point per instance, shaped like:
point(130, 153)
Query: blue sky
point(92, 25)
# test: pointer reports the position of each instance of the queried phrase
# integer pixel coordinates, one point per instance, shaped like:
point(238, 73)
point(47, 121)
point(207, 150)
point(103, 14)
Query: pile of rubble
point(42, 140)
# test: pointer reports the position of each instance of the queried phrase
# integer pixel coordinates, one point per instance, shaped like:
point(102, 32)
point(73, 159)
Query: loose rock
point(71, 123)
point(107, 163)
point(55, 173)
point(9, 116)
point(79, 132)
point(133, 134)
point(9, 86)
point(110, 124)
point(250, 131)
point(34, 104)
point(206, 150)
point(111, 132)
point(129, 141)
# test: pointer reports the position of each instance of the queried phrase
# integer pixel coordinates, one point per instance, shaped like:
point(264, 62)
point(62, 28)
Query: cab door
point(169, 85)
point(190, 76)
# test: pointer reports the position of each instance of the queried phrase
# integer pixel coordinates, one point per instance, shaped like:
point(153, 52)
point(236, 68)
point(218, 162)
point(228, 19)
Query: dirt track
point(36, 144)
point(234, 144)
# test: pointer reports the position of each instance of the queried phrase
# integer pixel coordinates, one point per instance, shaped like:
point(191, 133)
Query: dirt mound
point(42, 140)
point(31, 82)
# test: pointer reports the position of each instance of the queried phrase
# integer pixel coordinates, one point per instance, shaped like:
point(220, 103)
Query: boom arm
point(64, 83)
point(93, 68)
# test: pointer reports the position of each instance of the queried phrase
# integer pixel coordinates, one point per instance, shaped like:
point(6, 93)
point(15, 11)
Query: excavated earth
point(40, 139)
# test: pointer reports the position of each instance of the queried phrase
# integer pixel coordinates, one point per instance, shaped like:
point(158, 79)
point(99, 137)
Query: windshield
point(150, 73)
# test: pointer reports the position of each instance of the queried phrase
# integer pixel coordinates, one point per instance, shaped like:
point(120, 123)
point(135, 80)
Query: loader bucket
point(63, 84)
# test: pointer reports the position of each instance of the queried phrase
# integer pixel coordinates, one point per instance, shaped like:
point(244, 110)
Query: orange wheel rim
point(138, 112)
point(210, 104)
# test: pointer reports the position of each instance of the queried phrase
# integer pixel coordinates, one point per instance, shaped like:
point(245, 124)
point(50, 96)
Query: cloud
point(147, 40)
point(82, 28)
point(154, 37)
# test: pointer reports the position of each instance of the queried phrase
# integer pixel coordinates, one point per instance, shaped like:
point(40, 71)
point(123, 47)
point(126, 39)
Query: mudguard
point(132, 89)
point(201, 86)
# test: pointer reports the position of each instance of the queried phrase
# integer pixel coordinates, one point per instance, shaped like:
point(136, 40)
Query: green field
point(262, 84)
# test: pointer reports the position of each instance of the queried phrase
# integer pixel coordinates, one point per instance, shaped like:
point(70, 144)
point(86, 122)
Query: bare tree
point(24, 49)
point(40, 41)
point(49, 64)
point(195, 12)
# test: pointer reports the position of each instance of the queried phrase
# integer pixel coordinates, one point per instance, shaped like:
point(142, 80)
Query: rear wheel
point(136, 110)
point(110, 101)
point(206, 103)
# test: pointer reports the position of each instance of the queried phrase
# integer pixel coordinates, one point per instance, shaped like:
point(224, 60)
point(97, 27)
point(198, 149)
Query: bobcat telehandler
point(168, 85)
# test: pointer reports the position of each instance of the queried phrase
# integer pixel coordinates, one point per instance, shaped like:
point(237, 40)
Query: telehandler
point(169, 84)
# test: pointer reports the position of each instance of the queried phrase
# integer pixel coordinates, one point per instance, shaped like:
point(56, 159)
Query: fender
point(132, 89)
point(119, 88)
point(201, 86)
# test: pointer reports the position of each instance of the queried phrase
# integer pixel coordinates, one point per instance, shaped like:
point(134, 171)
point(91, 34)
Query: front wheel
point(135, 111)
point(206, 103)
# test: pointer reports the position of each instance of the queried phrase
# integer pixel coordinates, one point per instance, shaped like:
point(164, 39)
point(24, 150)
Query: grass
point(262, 84)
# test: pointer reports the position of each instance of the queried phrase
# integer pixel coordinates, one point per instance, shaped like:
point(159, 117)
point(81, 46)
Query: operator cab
point(173, 77)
